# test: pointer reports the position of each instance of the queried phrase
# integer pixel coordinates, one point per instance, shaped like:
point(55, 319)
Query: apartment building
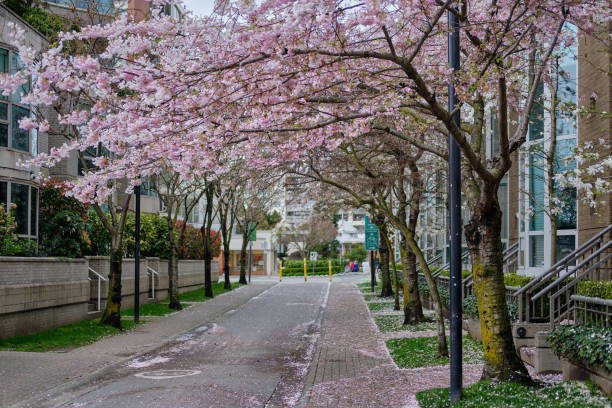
point(18, 185)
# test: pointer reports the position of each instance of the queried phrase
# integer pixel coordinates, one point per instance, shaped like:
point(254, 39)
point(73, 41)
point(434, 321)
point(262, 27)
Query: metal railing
point(100, 278)
point(547, 297)
point(511, 258)
point(464, 256)
point(153, 274)
point(591, 310)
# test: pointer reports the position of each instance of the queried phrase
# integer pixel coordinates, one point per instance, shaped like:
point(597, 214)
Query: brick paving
point(351, 366)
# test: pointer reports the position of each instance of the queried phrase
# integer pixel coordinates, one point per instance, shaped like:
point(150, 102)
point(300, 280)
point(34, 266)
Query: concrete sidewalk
point(29, 378)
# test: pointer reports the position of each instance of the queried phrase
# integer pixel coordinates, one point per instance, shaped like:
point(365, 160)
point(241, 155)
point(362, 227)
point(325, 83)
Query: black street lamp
point(137, 255)
point(454, 179)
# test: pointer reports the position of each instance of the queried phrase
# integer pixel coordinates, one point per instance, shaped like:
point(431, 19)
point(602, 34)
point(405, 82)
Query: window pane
point(19, 196)
point(502, 197)
point(536, 117)
point(33, 212)
point(20, 138)
point(536, 190)
point(3, 196)
point(3, 111)
point(17, 65)
point(4, 60)
point(494, 134)
point(3, 135)
point(536, 250)
point(565, 245)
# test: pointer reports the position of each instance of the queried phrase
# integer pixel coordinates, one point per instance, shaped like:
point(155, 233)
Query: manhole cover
point(166, 374)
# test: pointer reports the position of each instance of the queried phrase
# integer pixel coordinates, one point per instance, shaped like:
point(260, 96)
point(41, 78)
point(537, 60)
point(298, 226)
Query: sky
point(200, 7)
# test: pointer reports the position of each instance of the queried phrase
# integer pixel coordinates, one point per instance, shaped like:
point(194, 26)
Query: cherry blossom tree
point(280, 78)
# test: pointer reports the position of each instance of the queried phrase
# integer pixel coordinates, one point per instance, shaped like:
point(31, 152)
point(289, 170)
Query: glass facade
point(12, 111)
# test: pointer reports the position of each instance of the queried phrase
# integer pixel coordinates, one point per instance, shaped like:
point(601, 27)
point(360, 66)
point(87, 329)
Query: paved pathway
point(31, 379)
point(352, 367)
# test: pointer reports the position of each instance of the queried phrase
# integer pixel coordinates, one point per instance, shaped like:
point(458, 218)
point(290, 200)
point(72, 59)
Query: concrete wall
point(38, 294)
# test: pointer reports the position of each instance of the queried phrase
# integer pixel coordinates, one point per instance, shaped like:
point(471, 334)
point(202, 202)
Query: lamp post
point(137, 255)
point(454, 179)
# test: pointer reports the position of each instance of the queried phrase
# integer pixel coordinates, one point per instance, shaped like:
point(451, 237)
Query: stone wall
point(37, 294)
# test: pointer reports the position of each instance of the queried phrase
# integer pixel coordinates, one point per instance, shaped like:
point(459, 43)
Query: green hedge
point(591, 345)
point(318, 264)
point(464, 273)
point(599, 289)
point(470, 308)
point(317, 271)
point(514, 279)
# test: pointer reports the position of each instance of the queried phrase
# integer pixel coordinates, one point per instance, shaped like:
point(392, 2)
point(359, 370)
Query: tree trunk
point(413, 309)
point(226, 269)
point(483, 237)
point(208, 292)
point(435, 296)
point(173, 279)
point(112, 312)
point(243, 258)
point(387, 289)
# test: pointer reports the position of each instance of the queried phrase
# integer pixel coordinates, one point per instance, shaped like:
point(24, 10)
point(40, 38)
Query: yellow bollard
point(304, 269)
point(330, 271)
point(280, 271)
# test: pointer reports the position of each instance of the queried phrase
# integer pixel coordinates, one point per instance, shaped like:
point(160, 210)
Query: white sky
point(200, 7)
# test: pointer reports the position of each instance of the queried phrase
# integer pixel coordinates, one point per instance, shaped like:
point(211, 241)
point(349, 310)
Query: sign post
point(371, 244)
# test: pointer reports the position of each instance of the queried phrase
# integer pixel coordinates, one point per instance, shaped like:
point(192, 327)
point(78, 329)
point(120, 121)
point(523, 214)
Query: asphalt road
point(254, 356)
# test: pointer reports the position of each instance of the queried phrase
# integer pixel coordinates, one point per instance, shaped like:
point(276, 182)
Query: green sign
point(253, 234)
point(371, 235)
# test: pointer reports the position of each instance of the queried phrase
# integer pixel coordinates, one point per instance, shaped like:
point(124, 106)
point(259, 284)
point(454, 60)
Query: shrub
point(470, 308)
point(464, 273)
point(357, 253)
point(599, 289)
point(587, 344)
point(63, 234)
point(317, 271)
point(514, 279)
point(192, 245)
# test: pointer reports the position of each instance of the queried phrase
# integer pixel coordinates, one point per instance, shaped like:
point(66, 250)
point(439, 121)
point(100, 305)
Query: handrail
point(464, 255)
point(153, 273)
point(572, 255)
point(593, 300)
point(570, 272)
point(97, 274)
point(510, 248)
point(100, 278)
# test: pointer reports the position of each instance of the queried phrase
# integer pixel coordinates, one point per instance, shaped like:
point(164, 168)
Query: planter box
point(472, 326)
point(578, 371)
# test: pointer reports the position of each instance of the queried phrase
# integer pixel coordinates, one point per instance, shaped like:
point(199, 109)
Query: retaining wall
point(37, 294)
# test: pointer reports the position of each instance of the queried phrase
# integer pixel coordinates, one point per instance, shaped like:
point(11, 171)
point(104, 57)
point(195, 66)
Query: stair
point(551, 296)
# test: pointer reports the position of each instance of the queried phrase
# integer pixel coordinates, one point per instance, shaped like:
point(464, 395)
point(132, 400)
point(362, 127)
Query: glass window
point(536, 250)
point(494, 133)
point(20, 138)
point(3, 111)
point(17, 65)
point(3, 192)
point(536, 117)
point(565, 245)
point(4, 61)
point(536, 192)
point(3, 135)
point(33, 212)
point(20, 197)
point(502, 197)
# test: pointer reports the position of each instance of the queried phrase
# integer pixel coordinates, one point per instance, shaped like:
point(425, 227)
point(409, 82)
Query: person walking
point(352, 266)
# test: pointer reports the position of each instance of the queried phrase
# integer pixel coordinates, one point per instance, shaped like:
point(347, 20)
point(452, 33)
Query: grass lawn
point(510, 395)
point(381, 307)
point(152, 309)
point(74, 335)
point(392, 323)
point(421, 352)
point(198, 294)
